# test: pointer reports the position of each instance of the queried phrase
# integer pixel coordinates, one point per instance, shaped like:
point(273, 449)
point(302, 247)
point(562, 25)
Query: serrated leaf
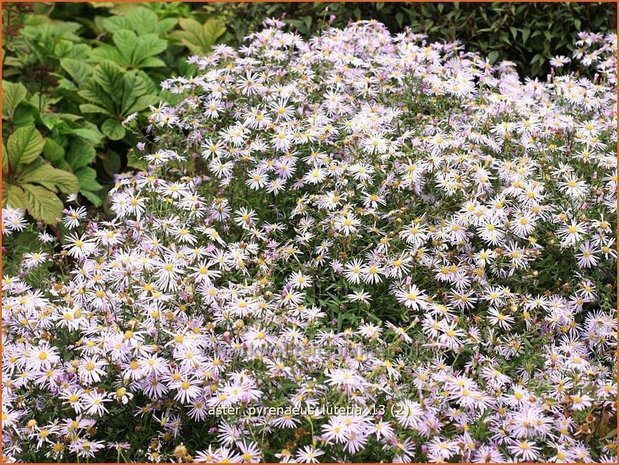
point(24, 146)
point(109, 76)
point(166, 24)
point(142, 103)
point(115, 23)
point(14, 196)
point(143, 20)
point(51, 178)
point(147, 46)
point(113, 129)
point(152, 62)
point(126, 42)
point(12, 95)
point(77, 69)
point(199, 38)
point(42, 204)
point(106, 53)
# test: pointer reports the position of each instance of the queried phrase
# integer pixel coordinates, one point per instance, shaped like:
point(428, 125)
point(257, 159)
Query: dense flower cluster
point(360, 247)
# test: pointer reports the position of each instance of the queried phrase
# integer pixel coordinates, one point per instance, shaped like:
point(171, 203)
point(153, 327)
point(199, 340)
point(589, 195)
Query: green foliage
point(199, 38)
point(526, 33)
point(77, 72)
point(30, 183)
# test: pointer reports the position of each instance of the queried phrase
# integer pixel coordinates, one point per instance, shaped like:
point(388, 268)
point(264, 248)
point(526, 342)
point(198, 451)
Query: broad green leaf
point(96, 95)
point(136, 86)
point(51, 178)
point(142, 103)
point(87, 177)
point(148, 45)
point(24, 146)
point(199, 38)
point(126, 42)
point(42, 204)
point(14, 196)
point(12, 95)
point(79, 70)
point(80, 154)
point(51, 120)
point(109, 76)
point(115, 23)
point(113, 129)
point(107, 53)
point(53, 152)
point(143, 20)
point(66, 84)
point(24, 115)
point(152, 62)
point(90, 135)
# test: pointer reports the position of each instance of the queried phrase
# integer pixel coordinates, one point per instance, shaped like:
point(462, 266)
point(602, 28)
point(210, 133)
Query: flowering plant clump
point(363, 247)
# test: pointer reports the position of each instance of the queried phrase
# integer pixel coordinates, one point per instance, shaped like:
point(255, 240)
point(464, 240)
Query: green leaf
point(199, 38)
point(109, 76)
point(5, 161)
point(143, 20)
point(81, 154)
point(91, 135)
point(111, 162)
point(514, 32)
point(493, 56)
point(87, 177)
point(133, 161)
point(53, 152)
point(14, 196)
point(93, 198)
point(51, 178)
point(106, 53)
point(79, 70)
point(24, 146)
point(147, 46)
point(24, 115)
point(12, 95)
point(113, 129)
point(90, 108)
point(126, 42)
point(42, 204)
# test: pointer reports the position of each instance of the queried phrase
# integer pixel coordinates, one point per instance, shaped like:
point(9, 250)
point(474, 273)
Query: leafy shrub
point(526, 33)
point(80, 85)
point(360, 247)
